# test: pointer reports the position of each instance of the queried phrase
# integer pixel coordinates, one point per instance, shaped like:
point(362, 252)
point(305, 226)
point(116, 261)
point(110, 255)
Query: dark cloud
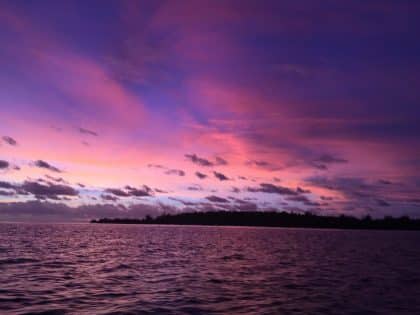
point(200, 175)
point(220, 176)
point(117, 192)
point(329, 159)
point(385, 182)
point(263, 164)
point(34, 210)
point(168, 171)
point(9, 140)
point(160, 191)
point(303, 199)
point(145, 191)
point(195, 188)
point(6, 193)
point(216, 199)
point(48, 190)
point(49, 211)
point(56, 179)
point(258, 163)
point(321, 167)
point(272, 189)
point(302, 191)
point(4, 164)
point(175, 172)
point(43, 164)
point(6, 185)
point(88, 132)
point(198, 160)
point(382, 203)
point(344, 184)
point(363, 195)
point(205, 162)
point(155, 166)
point(109, 197)
point(235, 190)
point(220, 161)
point(243, 205)
point(129, 191)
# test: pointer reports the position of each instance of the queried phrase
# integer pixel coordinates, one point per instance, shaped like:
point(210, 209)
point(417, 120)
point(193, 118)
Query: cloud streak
point(9, 140)
point(220, 176)
point(4, 164)
point(198, 160)
point(88, 132)
point(272, 189)
point(129, 191)
point(175, 172)
point(47, 166)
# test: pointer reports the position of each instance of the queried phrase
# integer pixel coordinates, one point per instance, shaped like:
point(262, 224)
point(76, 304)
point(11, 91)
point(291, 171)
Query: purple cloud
point(175, 172)
point(273, 189)
point(216, 199)
point(200, 175)
point(220, 176)
point(88, 132)
point(9, 140)
point(198, 160)
point(43, 164)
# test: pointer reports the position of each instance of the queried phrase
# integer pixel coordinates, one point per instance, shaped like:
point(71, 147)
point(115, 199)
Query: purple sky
point(126, 108)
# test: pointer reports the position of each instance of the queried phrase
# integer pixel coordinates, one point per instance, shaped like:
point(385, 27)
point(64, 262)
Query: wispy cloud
point(46, 190)
point(220, 176)
point(4, 164)
point(220, 161)
point(129, 191)
point(9, 140)
point(217, 199)
point(45, 165)
point(175, 172)
point(200, 175)
point(198, 160)
point(272, 189)
point(88, 132)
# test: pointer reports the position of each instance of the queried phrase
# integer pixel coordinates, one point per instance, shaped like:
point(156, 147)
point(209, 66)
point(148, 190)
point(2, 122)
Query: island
point(271, 219)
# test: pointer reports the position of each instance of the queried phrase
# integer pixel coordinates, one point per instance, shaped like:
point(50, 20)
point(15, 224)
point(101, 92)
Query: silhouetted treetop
point(272, 219)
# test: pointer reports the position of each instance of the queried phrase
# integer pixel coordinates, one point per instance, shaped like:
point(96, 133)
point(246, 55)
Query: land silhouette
point(272, 219)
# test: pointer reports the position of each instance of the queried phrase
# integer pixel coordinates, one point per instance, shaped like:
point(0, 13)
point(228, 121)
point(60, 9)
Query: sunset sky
point(127, 108)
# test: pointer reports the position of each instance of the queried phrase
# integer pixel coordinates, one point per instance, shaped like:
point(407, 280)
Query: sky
point(128, 108)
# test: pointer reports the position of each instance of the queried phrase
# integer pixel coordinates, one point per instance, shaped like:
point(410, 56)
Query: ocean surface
point(136, 269)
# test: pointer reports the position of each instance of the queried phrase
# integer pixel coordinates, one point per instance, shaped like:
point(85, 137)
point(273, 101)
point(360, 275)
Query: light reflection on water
point(127, 269)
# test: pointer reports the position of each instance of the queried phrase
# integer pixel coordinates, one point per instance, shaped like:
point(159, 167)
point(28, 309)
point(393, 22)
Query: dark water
point(117, 269)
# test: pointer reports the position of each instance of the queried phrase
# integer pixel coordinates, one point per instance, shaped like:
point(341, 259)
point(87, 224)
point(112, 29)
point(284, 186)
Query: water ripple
point(102, 269)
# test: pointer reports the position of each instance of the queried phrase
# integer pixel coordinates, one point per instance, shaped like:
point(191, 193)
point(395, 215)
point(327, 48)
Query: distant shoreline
point(272, 219)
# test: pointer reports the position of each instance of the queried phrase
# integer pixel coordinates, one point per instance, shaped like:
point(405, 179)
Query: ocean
point(146, 269)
